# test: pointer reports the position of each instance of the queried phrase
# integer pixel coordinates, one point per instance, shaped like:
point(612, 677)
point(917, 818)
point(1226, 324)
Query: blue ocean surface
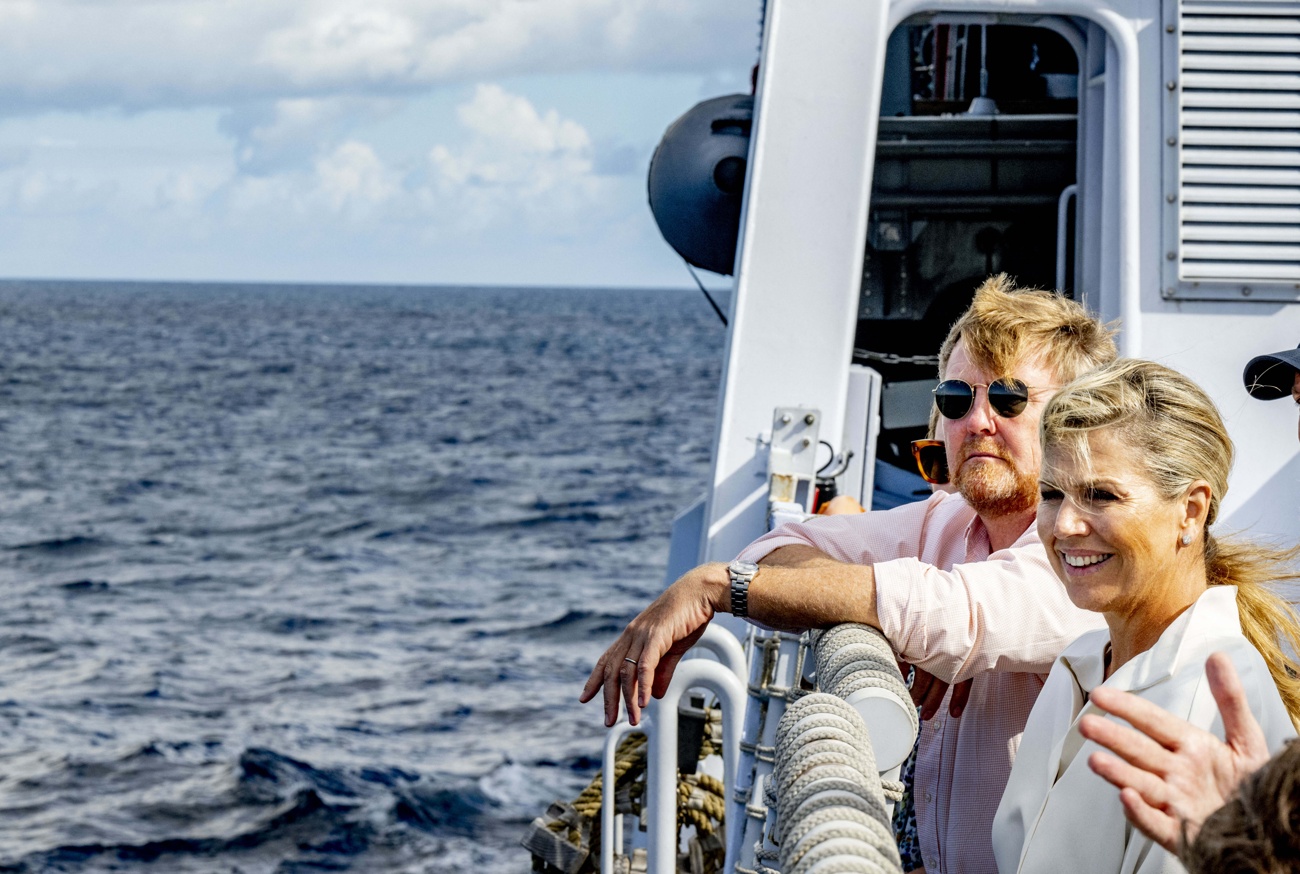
point(309, 578)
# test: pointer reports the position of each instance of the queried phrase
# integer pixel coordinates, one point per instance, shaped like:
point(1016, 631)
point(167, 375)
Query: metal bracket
point(792, 455)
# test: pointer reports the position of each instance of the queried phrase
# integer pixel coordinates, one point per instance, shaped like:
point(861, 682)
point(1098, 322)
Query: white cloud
point(138, 54)
point(508, 168)
point(42, 193)
point(344, 185)
point(272, 137)
point(517, 163)
point(264, 137)
point(510, 122)
point(363, 45)
point(353, 179)
point(179, 191)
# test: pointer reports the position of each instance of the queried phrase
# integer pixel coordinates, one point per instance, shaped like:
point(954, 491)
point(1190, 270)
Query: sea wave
point(309, 578)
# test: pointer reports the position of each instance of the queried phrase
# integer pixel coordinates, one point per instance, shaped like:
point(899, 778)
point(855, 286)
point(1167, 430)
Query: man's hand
point(928, 691)
point(642, 660)
point(1173, 775)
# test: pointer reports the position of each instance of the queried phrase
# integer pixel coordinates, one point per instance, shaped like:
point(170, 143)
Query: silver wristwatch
point(742, 572)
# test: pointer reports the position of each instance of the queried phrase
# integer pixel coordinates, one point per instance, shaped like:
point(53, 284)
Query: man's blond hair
point(1005, 325)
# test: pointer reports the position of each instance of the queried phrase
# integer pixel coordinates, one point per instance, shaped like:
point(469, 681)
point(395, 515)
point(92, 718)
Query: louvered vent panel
point(1239, 138)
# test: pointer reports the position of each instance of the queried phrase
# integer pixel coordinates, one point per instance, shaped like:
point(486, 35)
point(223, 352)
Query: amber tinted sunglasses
point(931, 460)
point(1007, 397)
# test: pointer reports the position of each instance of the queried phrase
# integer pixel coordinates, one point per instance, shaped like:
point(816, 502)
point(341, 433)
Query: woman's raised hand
point(1171, 776)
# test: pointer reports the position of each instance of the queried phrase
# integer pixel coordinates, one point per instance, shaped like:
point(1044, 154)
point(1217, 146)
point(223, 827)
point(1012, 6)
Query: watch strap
point(741, 574)
point(739, 596)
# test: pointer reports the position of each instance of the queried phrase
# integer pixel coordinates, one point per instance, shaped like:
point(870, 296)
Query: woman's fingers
point(1132, 746)
point(1171, 774)
point(1240, 728)
point(921, 681)
point(1144, 797)
point(1123, 775)
point(1158, 724)
point(1152, 822)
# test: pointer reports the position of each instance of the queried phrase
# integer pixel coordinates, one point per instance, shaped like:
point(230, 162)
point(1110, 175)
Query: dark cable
point(707, 296)
point(830, 460)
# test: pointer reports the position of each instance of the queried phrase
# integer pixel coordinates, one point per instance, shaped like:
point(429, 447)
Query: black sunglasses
point(1007, 397)
point(931, 460)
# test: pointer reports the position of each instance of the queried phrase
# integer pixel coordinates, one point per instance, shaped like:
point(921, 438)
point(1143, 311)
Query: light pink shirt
point(957, 610)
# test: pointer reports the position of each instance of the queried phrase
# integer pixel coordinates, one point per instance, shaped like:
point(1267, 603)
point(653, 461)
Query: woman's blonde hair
point(1179, 436)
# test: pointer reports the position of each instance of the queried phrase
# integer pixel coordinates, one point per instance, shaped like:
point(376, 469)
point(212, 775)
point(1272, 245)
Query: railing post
point(661, 765)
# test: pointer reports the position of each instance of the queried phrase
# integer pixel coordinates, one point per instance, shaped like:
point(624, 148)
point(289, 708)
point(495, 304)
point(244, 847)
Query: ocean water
point(309, 578)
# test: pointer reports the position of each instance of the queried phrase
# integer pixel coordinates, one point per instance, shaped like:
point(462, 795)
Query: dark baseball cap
point(1269, 377)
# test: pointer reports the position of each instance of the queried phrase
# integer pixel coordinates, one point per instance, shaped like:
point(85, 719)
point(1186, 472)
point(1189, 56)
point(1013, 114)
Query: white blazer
point(1056, 814)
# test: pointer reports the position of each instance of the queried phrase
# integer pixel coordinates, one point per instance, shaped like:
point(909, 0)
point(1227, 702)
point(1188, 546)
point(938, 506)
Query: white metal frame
point(802, 239)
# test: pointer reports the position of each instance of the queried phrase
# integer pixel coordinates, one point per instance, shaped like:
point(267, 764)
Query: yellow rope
point(628, 758)
point(701, 802)
point(701, 799)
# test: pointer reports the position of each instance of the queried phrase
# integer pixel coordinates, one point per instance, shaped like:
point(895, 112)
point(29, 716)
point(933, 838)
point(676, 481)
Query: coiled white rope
point(830, 819)
point(832, 816)
point(831, 811)
point(853, 659)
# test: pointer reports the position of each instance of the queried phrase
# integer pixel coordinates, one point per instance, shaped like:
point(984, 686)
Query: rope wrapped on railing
point(824, 802)
point(856, 663)
point(853, 657)
point(831, 810)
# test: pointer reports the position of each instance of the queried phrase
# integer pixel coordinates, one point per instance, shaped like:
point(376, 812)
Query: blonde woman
point(1135, 464)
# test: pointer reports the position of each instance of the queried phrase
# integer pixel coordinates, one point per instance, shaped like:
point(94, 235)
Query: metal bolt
point(1172, 141)
point(1169, 28)
point(805, 443)
point(1171, 85)
point(785, 419)
point(1171, 198)
point(809, 419)
point(1167, 293)
point(1245, 291)
point(1169, 256)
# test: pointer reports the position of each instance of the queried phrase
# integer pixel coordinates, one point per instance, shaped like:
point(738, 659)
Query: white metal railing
point(724, 679)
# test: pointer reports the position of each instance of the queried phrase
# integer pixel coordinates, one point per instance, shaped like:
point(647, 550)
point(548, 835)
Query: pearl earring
point(1187, 538)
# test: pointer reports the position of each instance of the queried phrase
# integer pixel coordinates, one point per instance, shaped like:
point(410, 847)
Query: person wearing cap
point(1171, 775)
point(1269, 377)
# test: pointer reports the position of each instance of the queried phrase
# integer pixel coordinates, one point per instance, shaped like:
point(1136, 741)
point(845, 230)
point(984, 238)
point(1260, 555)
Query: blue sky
point(406, 141)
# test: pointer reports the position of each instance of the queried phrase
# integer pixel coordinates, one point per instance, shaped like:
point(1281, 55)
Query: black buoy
point(697, 178)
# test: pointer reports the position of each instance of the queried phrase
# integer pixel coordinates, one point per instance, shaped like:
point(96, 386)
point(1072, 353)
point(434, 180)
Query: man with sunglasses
point(959, 583)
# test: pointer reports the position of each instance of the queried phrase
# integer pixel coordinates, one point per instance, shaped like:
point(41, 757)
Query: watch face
point(743, 568)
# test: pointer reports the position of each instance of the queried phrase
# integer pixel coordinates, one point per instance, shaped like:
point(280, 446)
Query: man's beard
point(994, 489)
